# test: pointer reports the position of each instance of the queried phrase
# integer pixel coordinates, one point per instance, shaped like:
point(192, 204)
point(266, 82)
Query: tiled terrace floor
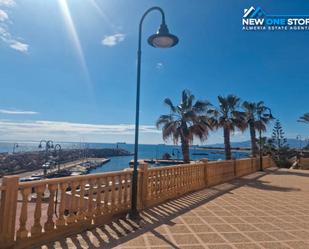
point(257, 211)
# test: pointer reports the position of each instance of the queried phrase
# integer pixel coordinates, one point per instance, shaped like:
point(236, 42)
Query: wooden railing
point(62, 205)
point(32, 212)
point(164, 183)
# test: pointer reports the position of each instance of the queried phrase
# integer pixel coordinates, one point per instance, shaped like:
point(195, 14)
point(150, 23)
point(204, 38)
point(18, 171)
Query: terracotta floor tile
point(220, 246)
point(274, 245)
point(282, 235)
point(245, 227)
point(213, 220)
point(259, 236)
point(185, 239)
point(266, 227)
point(157, 247)
point(247, 246)
point(210, 238)
point(156, 241)
point(178, 229)
point(301, 234)
point(252, 219)
point(223, 228)
point(193, 220)
point(233, 219)
point(298, 244)
point(201, 228)
point(235, 237)
point(138, 241)
point(192, 247)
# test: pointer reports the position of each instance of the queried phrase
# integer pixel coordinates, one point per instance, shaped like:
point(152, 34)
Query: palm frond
point(304, 118)
point(169, 103)
point(187, 120)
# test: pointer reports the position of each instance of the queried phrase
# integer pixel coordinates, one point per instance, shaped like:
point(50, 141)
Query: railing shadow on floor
point(123, 229)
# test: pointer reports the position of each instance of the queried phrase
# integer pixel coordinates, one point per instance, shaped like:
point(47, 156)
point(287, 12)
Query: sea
point(146, 151)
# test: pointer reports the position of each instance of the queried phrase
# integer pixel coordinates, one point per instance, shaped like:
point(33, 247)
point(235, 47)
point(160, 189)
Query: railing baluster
point(89, 213)
point(163, 182)
point(173, 181)
point(158, 183)
point(98, 197)
point(22, 231)
point(129, 189)
point(106, 193)
point(61, 220)
point(49, 225)
point(125, 190)
point(113, 204)
point(72, 210)
point(152, 184)
point(36, 229)
point(120, 193)
point(81, 204)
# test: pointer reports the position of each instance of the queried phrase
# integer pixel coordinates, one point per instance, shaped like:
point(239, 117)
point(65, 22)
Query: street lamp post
point(260, 133)
point(57, 150)
point(162, 39)
point(15, 145)
point(48, 145)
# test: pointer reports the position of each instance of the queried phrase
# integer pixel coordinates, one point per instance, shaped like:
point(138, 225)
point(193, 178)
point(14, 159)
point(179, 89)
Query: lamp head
point(163, 38)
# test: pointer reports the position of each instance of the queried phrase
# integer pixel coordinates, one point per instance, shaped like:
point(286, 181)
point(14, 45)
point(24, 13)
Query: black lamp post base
point(134, 215)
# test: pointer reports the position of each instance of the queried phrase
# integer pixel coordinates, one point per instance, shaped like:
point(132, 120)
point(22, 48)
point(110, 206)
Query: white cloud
point(3, 15)
point(17, 112)
point(5, 35)
point(8, 3)
point(113, 40)
point(69, 131)
point(19, 46)
point(159, 65)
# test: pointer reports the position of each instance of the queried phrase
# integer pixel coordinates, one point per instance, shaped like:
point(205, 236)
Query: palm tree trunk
point(227, 143)
point(185, 150)
point(254, 148)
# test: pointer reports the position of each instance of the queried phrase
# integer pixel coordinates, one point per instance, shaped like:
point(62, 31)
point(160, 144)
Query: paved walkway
point(257, 211)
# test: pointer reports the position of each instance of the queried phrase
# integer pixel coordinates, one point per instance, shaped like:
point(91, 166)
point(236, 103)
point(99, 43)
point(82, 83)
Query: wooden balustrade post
point(8, 208)
point(143, 185)
point(205, 163)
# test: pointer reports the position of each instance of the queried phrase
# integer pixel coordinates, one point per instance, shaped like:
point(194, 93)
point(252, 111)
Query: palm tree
point(229, 118)
point(257, 119)
point(186, 121)
point(304, 118)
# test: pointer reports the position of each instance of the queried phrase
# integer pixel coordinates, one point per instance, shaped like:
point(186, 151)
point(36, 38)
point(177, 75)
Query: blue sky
point(68, 68)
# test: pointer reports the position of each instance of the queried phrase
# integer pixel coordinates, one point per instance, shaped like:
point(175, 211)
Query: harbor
point(78, 167)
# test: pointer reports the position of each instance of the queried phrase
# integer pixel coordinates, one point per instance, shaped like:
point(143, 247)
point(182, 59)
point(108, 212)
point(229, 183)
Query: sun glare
point(65, 11)
point(95, 5)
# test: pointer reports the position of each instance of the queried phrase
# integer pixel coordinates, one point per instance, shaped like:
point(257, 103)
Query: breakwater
point(29, 161)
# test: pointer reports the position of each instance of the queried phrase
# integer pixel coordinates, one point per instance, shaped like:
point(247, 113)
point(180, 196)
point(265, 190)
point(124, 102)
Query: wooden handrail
point(71, 179)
